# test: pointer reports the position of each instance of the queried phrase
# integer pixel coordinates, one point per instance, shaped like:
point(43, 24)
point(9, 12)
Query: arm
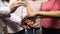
point(45, 13)
point(50, 14)
point(13, 6)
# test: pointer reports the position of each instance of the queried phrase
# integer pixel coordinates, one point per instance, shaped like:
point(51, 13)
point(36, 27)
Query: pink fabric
point(49, 22)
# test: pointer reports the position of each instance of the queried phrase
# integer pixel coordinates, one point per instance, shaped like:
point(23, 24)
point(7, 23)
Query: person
point(5, 11)
point(50, 16)
point(15, 20)
point(35, 5)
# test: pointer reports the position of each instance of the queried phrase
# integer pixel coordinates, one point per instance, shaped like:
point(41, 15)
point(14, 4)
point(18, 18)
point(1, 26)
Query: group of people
point(16, 12)
point(19, 15)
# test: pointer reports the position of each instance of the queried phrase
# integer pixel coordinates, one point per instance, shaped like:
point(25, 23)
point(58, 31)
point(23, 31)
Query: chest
point(51, 5)
point(35, 6)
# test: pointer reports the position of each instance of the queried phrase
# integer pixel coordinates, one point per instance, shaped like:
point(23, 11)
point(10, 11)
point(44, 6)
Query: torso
point(35, 5)
point(51, 5)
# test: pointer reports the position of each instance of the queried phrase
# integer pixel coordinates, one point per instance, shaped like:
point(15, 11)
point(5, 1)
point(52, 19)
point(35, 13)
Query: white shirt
point(35, 5)
point(17, 16)
point(4, 10)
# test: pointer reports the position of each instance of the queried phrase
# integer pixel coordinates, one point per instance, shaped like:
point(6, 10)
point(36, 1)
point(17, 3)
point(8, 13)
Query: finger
point(18, 5)
point(19, 2)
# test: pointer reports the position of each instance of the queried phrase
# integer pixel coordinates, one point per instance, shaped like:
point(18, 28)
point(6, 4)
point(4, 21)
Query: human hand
point(15, 5)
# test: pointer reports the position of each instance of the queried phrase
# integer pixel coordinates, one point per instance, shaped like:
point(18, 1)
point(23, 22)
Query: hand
point(24, 26)
point(31, 25)
point(15, 5)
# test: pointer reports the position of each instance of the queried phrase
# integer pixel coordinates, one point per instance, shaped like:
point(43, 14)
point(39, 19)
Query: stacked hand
point(30, 23)
point(25, 26)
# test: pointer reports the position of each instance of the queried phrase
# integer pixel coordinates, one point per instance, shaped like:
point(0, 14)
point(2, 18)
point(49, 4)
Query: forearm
point(50, 14)
point(29, 10)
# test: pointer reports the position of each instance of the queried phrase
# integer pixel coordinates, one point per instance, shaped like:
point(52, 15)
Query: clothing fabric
point(4, 13)
point(4, 10)
point(17, 16)
point(33, 31)
point(35, 5)
point(51, 25)
point(51, 5)
point(50, 31)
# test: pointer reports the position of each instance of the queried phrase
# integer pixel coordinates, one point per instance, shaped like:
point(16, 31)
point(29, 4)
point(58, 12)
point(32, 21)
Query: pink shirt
point(49, 22)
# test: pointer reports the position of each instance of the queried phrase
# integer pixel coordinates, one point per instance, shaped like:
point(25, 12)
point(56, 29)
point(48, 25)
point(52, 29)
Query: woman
point(16, 17)
point(35, 5)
